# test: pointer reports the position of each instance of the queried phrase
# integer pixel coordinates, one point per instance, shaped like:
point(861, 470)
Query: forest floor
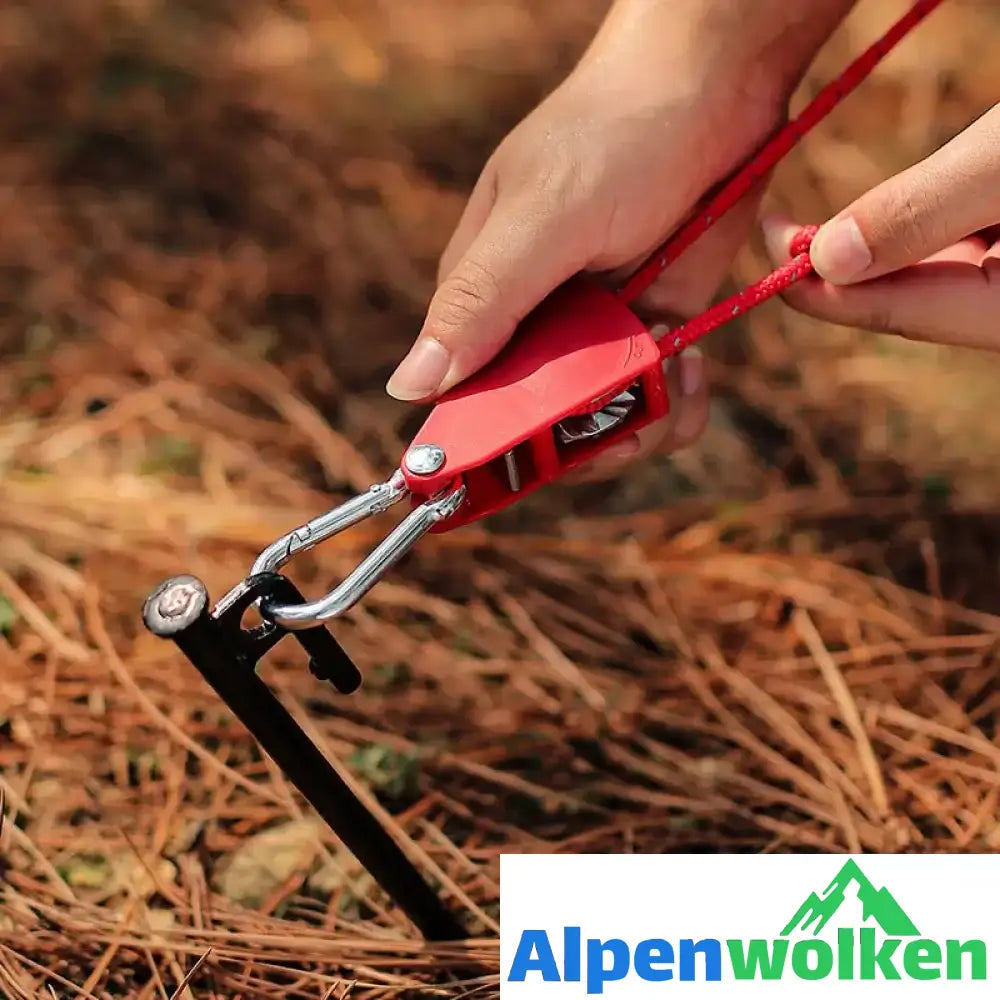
point(218, 235)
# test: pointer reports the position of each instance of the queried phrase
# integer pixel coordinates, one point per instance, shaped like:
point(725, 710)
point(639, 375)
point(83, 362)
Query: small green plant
point(387, 770)
point(171, 454)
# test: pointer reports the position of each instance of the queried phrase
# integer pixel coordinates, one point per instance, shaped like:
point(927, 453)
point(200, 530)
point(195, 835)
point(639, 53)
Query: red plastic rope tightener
point(713, 208)
point(583, 372)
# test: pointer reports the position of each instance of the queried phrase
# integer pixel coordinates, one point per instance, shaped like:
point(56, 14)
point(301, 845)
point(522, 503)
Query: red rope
point(799, 267)
point(740, 184)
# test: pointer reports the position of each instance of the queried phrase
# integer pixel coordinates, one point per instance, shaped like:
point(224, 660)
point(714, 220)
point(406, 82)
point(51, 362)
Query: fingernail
point(692, 373)
point(421, 372)
point(839, 252)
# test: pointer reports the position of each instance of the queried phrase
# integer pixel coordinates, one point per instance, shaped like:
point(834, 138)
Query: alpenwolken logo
point(879, 905)
point(852, 933)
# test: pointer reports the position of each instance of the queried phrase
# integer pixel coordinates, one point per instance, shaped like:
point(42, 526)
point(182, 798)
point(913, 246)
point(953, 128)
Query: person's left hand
point(919, 254)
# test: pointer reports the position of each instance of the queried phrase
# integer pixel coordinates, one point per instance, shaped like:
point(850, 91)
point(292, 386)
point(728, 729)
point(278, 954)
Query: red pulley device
point(580, 373)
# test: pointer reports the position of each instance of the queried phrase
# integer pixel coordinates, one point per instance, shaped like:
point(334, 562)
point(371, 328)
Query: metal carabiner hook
point(375, 500)
point(297, 617)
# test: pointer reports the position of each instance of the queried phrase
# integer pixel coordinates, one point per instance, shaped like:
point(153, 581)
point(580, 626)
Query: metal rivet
point(424, 459)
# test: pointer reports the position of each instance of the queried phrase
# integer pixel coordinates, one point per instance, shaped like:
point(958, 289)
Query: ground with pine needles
point(217, 234)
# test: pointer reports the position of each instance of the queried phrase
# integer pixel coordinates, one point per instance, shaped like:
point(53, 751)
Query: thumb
point(945, 198)
point(522, 252)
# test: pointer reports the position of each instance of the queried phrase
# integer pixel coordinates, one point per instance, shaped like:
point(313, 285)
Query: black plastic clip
point(227, 654)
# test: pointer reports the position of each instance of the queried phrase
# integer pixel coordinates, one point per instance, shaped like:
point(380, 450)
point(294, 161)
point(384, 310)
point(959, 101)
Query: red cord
point(799, 267)
point(714, 207)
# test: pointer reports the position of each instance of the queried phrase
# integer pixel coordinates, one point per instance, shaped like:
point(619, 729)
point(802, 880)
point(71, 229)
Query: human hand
point(919, 254)
point(578, 186)
point(672, 95)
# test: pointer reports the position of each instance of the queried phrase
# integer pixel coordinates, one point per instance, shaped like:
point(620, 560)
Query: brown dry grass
point(783, 640)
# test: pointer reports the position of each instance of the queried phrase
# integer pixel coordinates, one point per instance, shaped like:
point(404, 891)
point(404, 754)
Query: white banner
point(732, 926)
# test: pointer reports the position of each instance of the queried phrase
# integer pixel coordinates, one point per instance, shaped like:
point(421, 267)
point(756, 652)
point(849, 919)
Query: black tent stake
point(227, 654)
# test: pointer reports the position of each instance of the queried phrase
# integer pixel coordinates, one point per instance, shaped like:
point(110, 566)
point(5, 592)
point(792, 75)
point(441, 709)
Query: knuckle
point(465, 296)
point(559, 176)
point(913, 222)
point(880, 318)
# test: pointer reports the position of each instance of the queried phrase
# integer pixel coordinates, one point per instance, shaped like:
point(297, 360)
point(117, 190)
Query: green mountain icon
point(878, 905)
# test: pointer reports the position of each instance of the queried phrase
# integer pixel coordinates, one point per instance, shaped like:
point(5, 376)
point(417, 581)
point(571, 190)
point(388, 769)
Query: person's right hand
point(919, 254)
point(670, 98)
